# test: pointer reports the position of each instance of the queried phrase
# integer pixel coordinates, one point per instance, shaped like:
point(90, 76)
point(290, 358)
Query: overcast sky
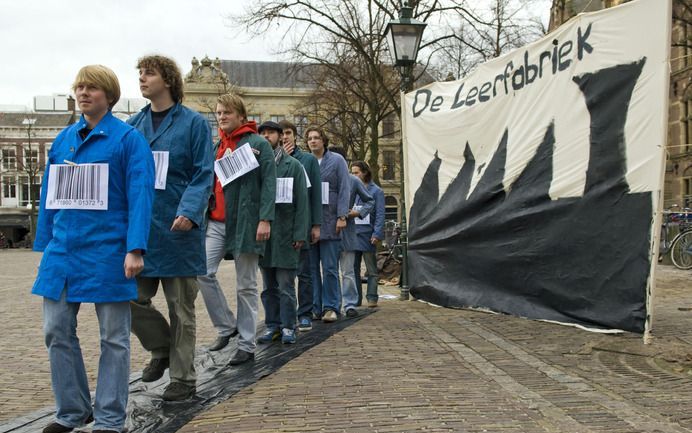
point(43, 43)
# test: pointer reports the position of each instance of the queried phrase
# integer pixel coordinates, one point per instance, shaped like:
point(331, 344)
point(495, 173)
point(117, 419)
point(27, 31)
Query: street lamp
point(404, 36)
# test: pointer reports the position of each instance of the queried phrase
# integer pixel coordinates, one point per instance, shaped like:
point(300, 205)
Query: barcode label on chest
point(231, 167)
point(81, 186)
point(161, 165)
point(284, 190)
point(325, 192)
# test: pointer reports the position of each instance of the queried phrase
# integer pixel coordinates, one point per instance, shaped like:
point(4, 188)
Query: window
point(213, 125)
point(391, 208)
point(276, 118)
point(31, 158)
point(256, 117)
point(388, 165)
point(301, 123)
point(26, 195)
point(9, 187)
point(389, 125)
point(9, 159)
point(687, 191)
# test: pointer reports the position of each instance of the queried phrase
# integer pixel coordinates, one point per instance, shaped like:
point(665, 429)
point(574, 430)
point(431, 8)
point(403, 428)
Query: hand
point(134, 263)
point(288, 147)
point(353, 213)
point(374, 240)
point(181, 224)
point(298, 245)
point(263, 231)
point(340, 225)
point(315, 234)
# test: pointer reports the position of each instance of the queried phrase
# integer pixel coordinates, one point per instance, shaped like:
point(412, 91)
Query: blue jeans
point(279, 298)
point(304, 285)
point(349, 293)
point(371, 267)
point(326, 290)
point(68, 376)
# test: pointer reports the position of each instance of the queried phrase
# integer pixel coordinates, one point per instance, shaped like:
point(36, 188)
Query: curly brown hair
point(169, 70)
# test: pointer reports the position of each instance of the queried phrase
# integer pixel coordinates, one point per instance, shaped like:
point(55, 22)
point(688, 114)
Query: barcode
point(230, 166)
point(158, 162)
point(77, 182)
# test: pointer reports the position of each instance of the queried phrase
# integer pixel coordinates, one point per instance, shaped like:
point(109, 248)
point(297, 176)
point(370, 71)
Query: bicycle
point(680, 246)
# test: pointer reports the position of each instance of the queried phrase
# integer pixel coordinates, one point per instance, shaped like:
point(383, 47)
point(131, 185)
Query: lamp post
point(404, 36)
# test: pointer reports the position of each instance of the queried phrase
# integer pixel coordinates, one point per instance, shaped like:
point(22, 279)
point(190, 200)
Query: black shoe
point(105, 431)
point(241, 357)
point(55, 427)
point(222, 341)
point(351, 312)
point(155, 369)
point(177, 391)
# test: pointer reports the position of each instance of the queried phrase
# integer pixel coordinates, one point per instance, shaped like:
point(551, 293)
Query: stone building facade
point(678, 176)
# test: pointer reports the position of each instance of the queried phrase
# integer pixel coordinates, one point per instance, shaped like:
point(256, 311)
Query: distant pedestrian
point(289, 233)
point(336, 191)
point(181, 142)
point(93, 226)
point(370, 231)
point(312, 169)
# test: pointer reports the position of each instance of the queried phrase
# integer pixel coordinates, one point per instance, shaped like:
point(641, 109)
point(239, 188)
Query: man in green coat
point(281, 257)
point(249, 203)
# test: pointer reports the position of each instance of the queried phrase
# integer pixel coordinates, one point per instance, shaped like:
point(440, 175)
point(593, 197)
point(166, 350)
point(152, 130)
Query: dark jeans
point(304, 285)
point(371, 274)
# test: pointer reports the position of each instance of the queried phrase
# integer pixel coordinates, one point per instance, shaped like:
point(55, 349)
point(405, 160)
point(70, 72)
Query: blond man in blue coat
point(93, 228)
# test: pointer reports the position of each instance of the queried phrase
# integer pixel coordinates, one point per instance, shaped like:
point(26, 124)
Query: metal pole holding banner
point(656, 232)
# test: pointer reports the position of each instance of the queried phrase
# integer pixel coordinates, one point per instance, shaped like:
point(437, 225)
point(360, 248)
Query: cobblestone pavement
point(24, 371)
point(415, 367)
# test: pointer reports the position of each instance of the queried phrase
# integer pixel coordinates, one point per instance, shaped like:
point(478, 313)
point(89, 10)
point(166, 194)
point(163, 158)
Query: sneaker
point(288, 336)
point(177, 391)
point(155, 369)
point(329, 316)
point(241, 357)
point(372, 304)
point(304, 324)
point(269, 335)
point(351, 312)
point(55, 427)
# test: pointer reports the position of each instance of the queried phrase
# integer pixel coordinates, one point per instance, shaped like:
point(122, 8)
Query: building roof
point(268, 74)
point(43, 120)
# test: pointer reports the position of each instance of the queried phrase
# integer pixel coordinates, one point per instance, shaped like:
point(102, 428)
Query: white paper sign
point(231, 167)
point(77, 186)
point(307, 179)
point(359, 220)
point(325, 192)
point(284, 190)
point(161, 165)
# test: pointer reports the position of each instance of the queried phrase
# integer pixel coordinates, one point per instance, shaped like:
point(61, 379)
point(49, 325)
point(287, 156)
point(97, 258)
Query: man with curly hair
point(181, 142)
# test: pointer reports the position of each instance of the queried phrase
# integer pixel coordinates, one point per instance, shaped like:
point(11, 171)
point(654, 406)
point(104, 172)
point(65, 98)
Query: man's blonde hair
point(103, 78)
point(232, 101)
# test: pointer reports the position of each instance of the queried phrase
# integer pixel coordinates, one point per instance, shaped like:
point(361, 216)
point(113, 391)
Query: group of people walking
point(130, 207)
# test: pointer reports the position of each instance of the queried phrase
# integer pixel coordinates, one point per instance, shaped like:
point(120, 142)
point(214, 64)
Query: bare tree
point(488, 30)
point(347, 38)
point(29, 164)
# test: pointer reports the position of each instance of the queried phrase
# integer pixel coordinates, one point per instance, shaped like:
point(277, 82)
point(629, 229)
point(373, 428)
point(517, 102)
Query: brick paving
point(415, 367)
